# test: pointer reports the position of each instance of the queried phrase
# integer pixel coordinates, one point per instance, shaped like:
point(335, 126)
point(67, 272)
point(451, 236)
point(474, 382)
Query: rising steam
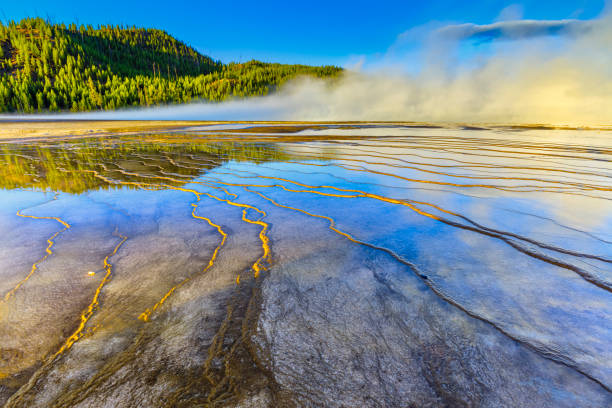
point(555, 72)
point(547, 72)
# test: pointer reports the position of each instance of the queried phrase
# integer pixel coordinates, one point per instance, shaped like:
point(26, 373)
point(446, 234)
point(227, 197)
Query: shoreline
point(18, 129)
point(52, 128)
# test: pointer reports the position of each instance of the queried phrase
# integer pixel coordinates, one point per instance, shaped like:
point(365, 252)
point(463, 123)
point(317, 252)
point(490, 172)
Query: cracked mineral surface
point(307, 265)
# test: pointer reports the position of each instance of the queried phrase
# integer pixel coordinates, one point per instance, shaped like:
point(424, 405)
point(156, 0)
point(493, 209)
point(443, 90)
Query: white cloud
point(515, 29)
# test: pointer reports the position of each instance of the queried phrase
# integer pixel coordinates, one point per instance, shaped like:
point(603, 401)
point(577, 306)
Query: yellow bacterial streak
point(332, 224)
point(48, 251)
point(144, 316)
point(87, 313)
point(359, 194)
point(265, 242)
point(257, 265)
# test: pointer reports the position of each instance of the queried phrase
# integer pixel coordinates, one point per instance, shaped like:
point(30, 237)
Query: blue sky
point(313, 32)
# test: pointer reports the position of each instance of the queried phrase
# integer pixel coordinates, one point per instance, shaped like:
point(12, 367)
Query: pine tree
point(45, 66)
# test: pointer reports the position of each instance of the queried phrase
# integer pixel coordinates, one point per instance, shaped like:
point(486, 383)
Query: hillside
point(53, 67)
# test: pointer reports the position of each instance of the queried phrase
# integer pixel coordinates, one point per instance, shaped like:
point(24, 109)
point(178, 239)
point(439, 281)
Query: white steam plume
point(555, 72)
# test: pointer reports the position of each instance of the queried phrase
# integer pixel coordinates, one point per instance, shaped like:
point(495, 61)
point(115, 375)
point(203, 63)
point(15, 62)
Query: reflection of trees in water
point(67, 166)
point(414, 273)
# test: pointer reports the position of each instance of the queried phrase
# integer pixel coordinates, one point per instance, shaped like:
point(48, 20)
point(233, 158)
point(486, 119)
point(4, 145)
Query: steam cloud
point(555, 72)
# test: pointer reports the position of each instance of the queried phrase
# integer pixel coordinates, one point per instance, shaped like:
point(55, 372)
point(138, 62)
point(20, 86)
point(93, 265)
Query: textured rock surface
point(345, 326)
point(393, 269)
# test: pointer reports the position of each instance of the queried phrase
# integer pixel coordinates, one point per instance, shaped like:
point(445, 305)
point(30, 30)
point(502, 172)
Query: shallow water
point(308, 265)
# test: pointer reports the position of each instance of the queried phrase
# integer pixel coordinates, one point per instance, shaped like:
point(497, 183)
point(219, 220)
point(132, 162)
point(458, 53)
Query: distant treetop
point(47, 66)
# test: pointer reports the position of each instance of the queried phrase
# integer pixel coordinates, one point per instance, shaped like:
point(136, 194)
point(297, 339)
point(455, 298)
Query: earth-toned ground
point(316, 265)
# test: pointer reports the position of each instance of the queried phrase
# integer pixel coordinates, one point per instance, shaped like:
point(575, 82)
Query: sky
point(344, 33)
point(457, 61)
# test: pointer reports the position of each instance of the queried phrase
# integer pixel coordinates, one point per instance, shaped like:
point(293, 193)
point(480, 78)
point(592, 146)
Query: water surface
point(308, 265)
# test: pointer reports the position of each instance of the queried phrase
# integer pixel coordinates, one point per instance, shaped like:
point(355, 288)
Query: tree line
point(55, 67)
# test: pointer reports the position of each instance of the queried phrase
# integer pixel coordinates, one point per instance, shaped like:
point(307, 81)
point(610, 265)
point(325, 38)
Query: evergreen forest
point(54, 67)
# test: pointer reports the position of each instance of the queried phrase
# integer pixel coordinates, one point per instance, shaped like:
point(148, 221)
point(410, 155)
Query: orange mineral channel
point(257, 266)
point(88, 313)
point(359, 194)
point(504, 236)
point(265, 242)
point(144, 316)
point(48, 251)
point(332, 223)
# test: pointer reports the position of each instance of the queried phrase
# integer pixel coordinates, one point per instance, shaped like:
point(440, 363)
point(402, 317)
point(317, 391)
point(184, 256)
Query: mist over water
point(523, 71)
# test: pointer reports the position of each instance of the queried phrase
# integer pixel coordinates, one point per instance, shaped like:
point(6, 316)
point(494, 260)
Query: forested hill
point(56, 67)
